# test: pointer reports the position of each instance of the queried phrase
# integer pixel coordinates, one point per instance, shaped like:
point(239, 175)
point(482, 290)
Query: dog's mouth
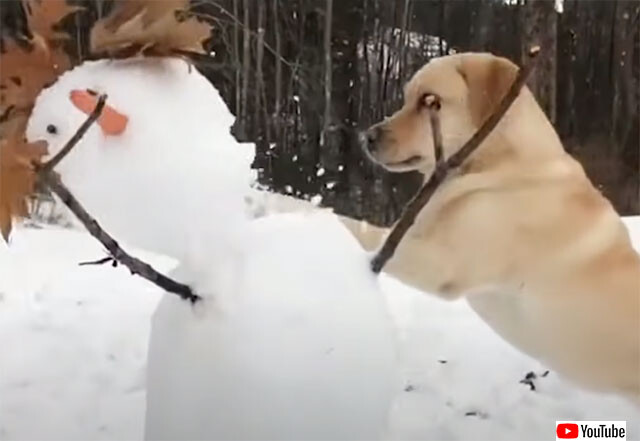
point(412, 163)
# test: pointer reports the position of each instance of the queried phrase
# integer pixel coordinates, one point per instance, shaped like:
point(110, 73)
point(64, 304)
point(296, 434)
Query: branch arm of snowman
point(444, 168)
point(52, 180)
point(93, 116)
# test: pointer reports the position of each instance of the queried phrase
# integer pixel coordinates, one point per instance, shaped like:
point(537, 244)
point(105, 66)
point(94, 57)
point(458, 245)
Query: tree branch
point(104, 260)
point(95, 114)
point(443, 169)
point(52, 180)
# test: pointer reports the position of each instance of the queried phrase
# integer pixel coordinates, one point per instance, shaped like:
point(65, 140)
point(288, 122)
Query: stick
point(104, 260)
point(443, 170)
point(50, 165)
point(136, 266)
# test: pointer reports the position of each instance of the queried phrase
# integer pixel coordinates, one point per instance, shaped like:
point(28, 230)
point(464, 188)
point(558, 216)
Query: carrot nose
point(110, 121)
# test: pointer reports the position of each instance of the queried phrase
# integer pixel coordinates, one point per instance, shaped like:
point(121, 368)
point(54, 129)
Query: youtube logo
point(567, 430)
point(596, 430)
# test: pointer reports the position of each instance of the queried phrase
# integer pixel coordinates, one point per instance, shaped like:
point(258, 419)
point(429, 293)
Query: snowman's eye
point(52, 129)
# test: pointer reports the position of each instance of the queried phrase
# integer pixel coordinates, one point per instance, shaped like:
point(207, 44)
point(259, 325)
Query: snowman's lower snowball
point(302, 350)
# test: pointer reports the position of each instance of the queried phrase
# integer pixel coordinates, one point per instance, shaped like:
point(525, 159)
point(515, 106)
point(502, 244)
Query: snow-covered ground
point(73, 342)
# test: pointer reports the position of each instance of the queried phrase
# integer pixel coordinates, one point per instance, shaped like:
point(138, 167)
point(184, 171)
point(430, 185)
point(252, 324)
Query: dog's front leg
point(417, 261)
point(369, 236)
point(437, 260)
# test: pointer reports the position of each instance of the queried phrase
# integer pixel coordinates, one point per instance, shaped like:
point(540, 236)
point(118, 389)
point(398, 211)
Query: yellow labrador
point(520, 230)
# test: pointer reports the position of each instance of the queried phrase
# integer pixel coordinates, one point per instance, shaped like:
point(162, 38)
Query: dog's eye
point(430, 100)
point(52, 129)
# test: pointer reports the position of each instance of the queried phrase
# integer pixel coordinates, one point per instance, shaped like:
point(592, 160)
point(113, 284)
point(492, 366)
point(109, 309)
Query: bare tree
point(235, 54)
point(404, 39)
point(328, 69)
point(540, 23)
point(278, 61)
point(625, 32)
point(246, 64)
point(259, 61)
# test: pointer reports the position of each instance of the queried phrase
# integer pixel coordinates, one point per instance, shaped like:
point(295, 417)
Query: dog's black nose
point(372, 136)
point(370, 139)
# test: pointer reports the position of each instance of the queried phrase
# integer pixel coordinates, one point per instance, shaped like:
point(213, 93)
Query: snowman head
point(154, 107)
point(63, 107)
point(160, 153)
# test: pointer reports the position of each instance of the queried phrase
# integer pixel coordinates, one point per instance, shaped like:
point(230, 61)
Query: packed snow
point(304, 349)
point(74, 342)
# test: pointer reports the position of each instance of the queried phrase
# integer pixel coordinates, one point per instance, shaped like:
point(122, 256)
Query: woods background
point(304, 76)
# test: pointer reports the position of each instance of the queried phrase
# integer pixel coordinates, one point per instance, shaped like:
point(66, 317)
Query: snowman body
point(303, 351)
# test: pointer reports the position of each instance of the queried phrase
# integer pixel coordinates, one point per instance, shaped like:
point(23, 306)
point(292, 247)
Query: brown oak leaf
point(17, 172)
point(44, 15)
point(29, 67)
point(26, 71)
point(149, 27)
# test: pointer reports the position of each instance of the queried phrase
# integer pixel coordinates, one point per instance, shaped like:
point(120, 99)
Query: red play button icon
point(567, 430)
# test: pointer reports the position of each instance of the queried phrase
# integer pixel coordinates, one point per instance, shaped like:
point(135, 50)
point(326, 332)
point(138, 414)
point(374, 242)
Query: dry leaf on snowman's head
point(44, 15)
point(125, 11)
point(150, 27)
point(17, 172)
point(26, 71)
point(30, 66)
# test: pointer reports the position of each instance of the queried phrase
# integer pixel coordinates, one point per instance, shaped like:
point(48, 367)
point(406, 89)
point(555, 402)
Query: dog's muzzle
point(369, 140)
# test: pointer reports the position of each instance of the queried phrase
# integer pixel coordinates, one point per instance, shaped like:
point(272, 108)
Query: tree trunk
point(259, 61)
point(328, 69)
point(540, 28)
point(278, 62)
point(235, 57)
point(246, 66)
point(625, 106)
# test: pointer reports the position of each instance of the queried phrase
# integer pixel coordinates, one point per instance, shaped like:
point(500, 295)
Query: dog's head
point(467, 86)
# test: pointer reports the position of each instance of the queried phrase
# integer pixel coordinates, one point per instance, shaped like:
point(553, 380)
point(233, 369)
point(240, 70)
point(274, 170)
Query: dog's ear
point(488, 79)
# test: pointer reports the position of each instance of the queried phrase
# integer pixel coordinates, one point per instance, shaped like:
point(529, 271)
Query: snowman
point(291, 339)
